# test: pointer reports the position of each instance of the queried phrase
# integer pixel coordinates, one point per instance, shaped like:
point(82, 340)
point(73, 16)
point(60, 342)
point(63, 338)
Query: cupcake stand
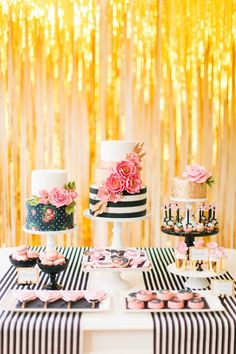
point(196, 279)
point(50, 235)
point(111, 278)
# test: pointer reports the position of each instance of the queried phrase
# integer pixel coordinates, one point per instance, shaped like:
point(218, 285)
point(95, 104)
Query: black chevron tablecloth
point(189, 333)
point(43, 333)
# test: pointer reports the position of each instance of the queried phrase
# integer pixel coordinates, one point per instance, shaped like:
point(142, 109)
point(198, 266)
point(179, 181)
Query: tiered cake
point(118, 191)
point(51, 206)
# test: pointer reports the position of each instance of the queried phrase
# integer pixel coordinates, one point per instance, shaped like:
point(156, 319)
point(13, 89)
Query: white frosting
point(116, 150)
point(47, 179)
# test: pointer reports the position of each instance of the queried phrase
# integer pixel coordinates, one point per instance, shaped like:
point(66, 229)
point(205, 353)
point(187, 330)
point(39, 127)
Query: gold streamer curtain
point(75, 72)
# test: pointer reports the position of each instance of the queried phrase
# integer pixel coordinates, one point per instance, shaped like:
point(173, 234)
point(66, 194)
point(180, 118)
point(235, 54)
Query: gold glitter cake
point(183, 189)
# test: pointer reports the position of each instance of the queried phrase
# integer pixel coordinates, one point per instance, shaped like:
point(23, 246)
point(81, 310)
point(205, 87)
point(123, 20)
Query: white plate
point(8, 303)
point(212, 301)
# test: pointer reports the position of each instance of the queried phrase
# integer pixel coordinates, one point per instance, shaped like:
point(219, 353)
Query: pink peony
point(60, 197)
point(196, 173)
point(115, 183)
point(43, 193)
point(134, 157)
point(103, 194)
point(133, 184)
point(126, 169)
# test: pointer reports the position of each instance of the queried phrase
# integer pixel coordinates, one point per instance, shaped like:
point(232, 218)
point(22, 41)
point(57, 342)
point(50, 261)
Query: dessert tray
point(55, 301)
point(211, 303)
point(115, 260)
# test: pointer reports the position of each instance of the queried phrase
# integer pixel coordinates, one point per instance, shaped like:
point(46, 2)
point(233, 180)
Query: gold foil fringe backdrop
point(75, 72)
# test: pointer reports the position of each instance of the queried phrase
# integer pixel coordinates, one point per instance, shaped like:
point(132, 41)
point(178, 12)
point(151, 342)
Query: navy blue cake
point(52, 204)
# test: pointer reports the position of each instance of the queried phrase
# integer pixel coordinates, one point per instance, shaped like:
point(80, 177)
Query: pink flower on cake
point(115, 197)
point(134, 157)
point(103, 194)
point(133, 184)
point(43, 193)
point(196, 173)
point(115, 183)
point(60, 196)
point(126, 169)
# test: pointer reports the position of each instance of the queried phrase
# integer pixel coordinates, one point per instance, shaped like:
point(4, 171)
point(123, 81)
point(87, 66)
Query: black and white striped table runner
point(48, 333)
point(188, 333)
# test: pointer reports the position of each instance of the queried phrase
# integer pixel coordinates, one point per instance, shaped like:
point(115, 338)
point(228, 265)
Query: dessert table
point(115, 331)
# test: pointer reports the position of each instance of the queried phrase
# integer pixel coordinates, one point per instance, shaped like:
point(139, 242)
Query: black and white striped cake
point(130, 206)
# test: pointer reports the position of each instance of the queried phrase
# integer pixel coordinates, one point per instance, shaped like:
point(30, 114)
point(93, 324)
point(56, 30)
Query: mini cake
point(155, 304)
point(118, 192)
point(175, 303)
point(144, 295)
point(184, 294)
point(51, 207)
point(217, 258)
point(196, 303)
point(164, 295)
point(181, 255)
point(135, 305)
point(192, 185)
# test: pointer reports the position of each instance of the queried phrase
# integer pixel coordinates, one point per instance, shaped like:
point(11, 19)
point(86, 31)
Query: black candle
point(214, 213)
point(209, 214)
point(200, 216)
point(187, 216)
point(178, 214)
point(169, 211)
point(165, 212)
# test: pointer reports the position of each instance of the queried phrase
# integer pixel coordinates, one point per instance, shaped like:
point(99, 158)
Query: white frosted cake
point(51, 206)
point(118, 191)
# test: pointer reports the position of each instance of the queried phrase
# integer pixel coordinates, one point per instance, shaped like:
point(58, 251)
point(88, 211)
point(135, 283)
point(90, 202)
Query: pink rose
point(133, 184)
point(196, 173)
point(126, 169)
point(103, 194)
point(115, 183)
point(59, 197)
point(43, 193)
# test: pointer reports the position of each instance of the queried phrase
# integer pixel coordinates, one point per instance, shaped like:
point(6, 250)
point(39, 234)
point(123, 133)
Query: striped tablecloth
point(189, 333)
point(48, 333)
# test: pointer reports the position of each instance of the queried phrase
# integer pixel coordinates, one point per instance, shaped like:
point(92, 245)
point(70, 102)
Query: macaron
point(52, 255)
point(196, 303)
point(164, 294)
point(59, 261)
point(155, 304)
point(46, 262)
point(21, 257)
point(132, 296)
point(32, 254)
point(21, 249)
point(135, 305)
point(144, 295)
point(184, 294)
point(175, 303)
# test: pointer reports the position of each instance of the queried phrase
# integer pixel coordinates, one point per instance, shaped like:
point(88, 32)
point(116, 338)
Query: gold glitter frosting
point(183, 189)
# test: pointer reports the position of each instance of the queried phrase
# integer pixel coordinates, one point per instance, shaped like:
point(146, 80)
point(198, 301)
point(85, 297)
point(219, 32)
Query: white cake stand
point(50, 235)
point(117, 226)
point(196, 280)
point(111, 279)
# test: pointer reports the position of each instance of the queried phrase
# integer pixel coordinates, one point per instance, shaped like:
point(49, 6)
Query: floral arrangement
point(125, 176)
point(198, 174)
point(57, 196)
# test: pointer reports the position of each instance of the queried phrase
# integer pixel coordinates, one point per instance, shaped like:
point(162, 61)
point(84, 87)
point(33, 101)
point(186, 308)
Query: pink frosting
point(126, 169)
point(196, 173)
point(94, 295)
point(25, 295)
point(72, 295)
point(48, 295)
point(198, 243)
point(181, 247)
point(60, 197)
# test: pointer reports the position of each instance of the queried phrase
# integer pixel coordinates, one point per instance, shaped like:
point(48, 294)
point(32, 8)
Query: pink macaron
point(196, 303)
point(144, 295)
point(59, 261)
point(184, 294)
point(32, 254)
point(21, 257)
point(164, 295)
point(46, 262)
point(132, 296)
point(52, 255)
point(135, 305)
point(21, 249)
point(155, 304)
point(175, 303)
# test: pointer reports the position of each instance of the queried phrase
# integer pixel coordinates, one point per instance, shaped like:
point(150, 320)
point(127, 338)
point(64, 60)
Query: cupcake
point(178, 227)
point(209, 227)
point(181, 255)
point(169, 225)
point(188, 228)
